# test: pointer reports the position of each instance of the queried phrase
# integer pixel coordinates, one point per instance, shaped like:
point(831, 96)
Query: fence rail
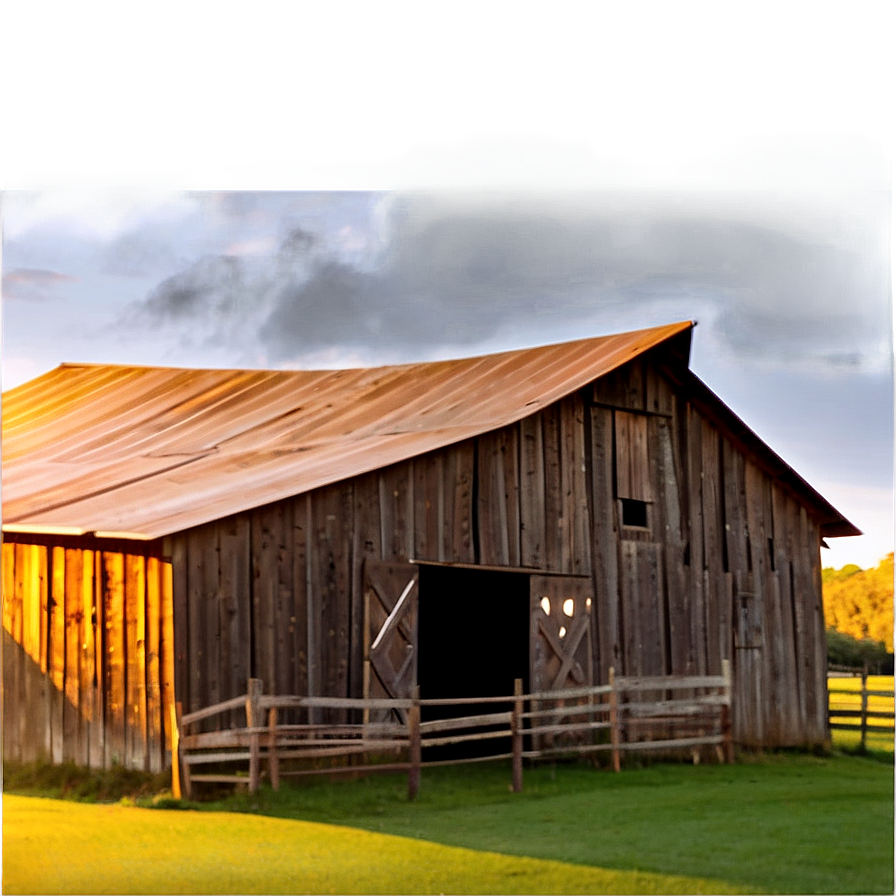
point(659, 713)
point(850, 709)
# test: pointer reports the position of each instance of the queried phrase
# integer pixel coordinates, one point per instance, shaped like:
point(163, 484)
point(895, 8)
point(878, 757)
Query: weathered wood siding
point(88, 665)
point(727, 566)
point(277, 593)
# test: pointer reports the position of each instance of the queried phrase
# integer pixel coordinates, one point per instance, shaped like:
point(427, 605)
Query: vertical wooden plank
point(155, 748)
point(331, 577)
point(30, 728)
point(171, 641)
point(555, 558)
point(459, 488)
point(56, 652)
point(284, 610)
point(396, 510)
point(115, 657)
point(264, 594)
point(429, 502)
point(694, 455)
point(665, 485)
point(92, 584)
point(492, 509)
point(630, 604)
point(756, 662)
point(576, 465)
point(198, 688)
point(135, 660)
point(234, 622)
point(15, 735)
point(210, 611)
point(531, 467)
point(91, 740)
point(659, 395)
point(179, 660)
point(10, 652)
point(74, 614)
point(366, 545)
point(42, 708)
point(606, 568)
point(816, 691)
point(712, 539)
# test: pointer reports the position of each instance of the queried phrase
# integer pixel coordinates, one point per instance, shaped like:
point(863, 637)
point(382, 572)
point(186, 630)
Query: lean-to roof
point(148, 451)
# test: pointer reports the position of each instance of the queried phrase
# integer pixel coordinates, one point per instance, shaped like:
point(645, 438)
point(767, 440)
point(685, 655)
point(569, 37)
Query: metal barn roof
point(144, 452)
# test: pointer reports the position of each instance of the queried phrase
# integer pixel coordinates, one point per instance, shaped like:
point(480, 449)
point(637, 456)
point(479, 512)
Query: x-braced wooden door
point(560, 610)
point(391, 597)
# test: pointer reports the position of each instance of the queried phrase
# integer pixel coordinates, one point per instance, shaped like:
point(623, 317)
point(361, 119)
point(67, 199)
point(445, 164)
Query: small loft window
point(634, 513)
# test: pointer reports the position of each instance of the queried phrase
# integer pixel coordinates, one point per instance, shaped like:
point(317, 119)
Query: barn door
point(560, 650)
point(391, 593)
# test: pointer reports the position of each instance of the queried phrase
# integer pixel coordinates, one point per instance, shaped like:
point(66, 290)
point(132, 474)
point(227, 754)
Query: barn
point(544, 514)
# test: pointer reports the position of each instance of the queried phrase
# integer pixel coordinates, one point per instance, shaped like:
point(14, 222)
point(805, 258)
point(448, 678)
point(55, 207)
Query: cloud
point(32, 283)
point(89, 214)
point(460, 272)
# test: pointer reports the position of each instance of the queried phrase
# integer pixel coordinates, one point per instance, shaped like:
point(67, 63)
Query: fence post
point(273, 757)
point(614, 719)
point(253, 720)
point(864, 703)
point(177, 766)
point(516, 734)
point(415, 749)
point(728, 741)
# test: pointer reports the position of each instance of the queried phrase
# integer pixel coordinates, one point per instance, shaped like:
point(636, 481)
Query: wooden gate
point(560, 639)
point(391, 597)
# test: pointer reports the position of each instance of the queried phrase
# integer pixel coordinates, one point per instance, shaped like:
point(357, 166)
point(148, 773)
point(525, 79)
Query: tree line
point(858, 614)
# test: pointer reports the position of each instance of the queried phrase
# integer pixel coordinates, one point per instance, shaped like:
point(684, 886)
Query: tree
point(859, 602)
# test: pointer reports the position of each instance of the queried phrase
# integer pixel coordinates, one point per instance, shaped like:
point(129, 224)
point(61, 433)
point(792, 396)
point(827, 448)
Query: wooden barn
point(543, 514)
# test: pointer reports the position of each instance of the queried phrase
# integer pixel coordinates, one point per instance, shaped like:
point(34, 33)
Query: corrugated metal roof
point(148, 451)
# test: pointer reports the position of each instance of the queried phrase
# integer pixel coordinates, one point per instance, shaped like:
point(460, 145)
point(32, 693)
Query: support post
point(178, 769)
point(253, 720)
point(614, 719)
point(728, 739)
point(273, 756)
point(516, 734)
point(415, 747)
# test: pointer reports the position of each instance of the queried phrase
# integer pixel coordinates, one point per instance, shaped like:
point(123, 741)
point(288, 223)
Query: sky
point(390, 186)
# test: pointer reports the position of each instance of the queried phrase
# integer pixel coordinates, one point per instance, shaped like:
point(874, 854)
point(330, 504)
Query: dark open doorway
point(473, 636)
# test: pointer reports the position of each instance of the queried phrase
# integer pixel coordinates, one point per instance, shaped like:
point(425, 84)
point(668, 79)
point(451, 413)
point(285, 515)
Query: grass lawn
point(778, 824)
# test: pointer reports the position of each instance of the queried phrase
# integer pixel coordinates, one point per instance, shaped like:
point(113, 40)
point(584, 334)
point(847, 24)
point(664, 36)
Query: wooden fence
point(666, 713)
point(850, 708)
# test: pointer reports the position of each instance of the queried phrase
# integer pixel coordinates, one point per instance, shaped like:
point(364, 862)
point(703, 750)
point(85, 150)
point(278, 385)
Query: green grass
point(785, 823)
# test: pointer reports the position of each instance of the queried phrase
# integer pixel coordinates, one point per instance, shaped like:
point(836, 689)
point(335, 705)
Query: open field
point(778, 824)
point(844, 693)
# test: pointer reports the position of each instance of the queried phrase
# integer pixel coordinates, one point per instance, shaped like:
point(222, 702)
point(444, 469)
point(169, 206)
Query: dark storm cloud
point(459, 275)
point(456, 273)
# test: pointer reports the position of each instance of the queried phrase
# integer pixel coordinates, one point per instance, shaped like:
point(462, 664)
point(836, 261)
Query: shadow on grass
point(774, 821)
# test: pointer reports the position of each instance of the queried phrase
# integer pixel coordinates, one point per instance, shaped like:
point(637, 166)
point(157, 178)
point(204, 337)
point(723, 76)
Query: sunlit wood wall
point(88, 668)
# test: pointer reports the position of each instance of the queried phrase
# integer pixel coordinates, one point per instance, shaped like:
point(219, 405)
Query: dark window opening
point(634, 513)
point(473, 641)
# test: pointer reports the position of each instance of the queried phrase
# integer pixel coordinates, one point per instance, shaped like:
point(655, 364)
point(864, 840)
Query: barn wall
point(277, 593)
point(88, 668)
point(727, 566)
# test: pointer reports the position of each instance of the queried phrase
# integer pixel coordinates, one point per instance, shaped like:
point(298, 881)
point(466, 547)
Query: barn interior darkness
point(473, 636)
